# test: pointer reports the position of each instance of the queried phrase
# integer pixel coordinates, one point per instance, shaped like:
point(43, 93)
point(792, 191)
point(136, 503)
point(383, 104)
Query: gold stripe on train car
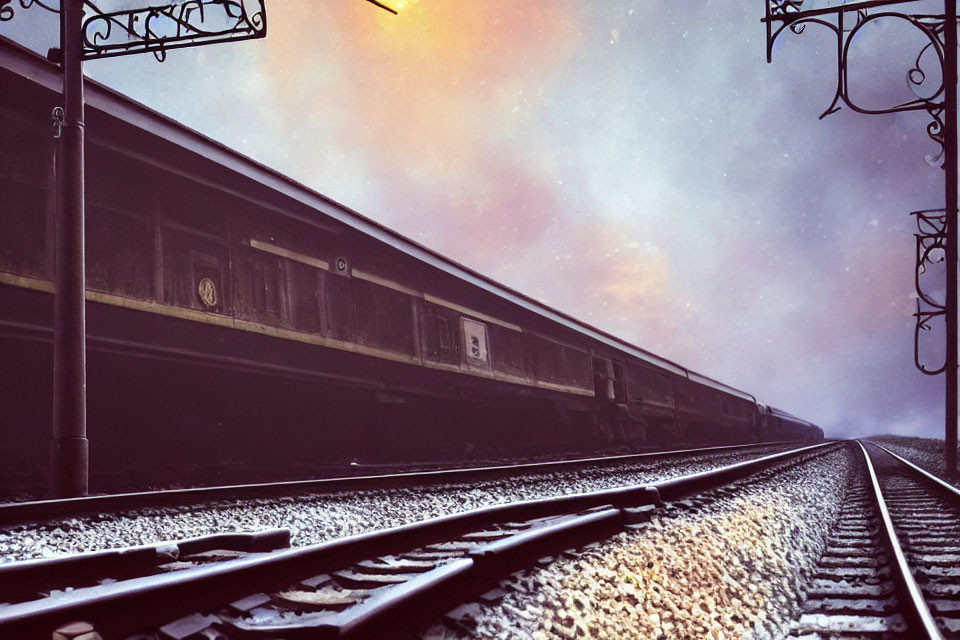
point(470, 312)
point(229, 322)
point(290, 255)
point(396, 286)
point(383, 282)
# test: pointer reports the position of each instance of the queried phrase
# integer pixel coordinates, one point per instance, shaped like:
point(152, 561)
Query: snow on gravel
point(314, 518)
point(738, 568)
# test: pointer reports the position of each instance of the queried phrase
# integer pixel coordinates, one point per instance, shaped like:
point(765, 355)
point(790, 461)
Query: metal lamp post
point(69, 448)
point(950, 200)
point(88, 33)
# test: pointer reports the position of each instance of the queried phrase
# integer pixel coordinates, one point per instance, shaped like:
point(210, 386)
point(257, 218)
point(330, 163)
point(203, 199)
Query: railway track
point(892, 564)
point(925, 512)
point(354, 587)
point(13, 513)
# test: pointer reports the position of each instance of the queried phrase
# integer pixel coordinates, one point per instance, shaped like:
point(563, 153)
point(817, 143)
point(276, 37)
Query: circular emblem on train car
point(207, 291)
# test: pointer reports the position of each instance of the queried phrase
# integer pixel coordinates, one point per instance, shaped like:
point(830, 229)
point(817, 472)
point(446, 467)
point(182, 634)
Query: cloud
point(637, 165)
point(421, 92)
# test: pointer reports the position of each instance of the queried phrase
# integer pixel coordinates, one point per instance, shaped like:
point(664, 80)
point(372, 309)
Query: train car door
point(603, 380)
point(619, 383)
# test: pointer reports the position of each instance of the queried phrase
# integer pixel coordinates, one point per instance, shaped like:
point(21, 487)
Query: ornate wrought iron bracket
point(161, 28)
point(931, 238)
point(157, 29)
point(847, 21)
point(7, 10)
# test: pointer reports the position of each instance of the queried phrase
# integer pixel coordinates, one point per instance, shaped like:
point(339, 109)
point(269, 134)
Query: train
point(237, 319)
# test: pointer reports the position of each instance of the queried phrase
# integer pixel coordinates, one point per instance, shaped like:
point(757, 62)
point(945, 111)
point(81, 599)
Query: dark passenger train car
point(239, 319)
point(776, 424)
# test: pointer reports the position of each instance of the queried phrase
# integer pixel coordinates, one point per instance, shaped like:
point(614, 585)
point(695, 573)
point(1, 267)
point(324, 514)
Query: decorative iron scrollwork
point(7, 11)
point(931, 240)
point(174, 26)
point(158, 29)
point(847, 21)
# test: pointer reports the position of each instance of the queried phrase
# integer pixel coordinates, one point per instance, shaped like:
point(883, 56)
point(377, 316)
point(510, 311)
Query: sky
point(634, 163)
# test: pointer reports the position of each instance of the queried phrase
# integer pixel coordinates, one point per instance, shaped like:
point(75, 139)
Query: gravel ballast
point(318, 517)
point(927, 453)
point(736, 568)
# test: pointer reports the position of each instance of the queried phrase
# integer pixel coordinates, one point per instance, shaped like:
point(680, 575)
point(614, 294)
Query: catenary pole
point(790, 17)
point(950, 180)
point(69, 454)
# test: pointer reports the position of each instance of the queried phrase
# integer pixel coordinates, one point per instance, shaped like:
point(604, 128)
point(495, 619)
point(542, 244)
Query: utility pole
point(937, 231)
point(950, 203)
point(90, 33)
point(69, 451)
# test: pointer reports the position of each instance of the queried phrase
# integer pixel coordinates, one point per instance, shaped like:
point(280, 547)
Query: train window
point(305, 297)
point(341, 312)
point(23, 231)
point(271, 288)
point(619, 383)
point(508, 357)
point(601, 378)
point(266, 287)
point(384, 317)
point(119, 253)
point(474, 340)
point(443, 333)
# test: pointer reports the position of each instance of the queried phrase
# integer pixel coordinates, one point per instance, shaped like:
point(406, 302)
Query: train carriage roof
point(28, 65)
point(719, 386)
point(784, 414)
point(780, 413)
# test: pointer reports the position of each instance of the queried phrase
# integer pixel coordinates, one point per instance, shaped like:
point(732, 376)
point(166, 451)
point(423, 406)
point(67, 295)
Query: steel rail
point(435, 591)
point(911, 598)
point(18, 579)
point(939, 483)
point(45, 510)
point(127, 606)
